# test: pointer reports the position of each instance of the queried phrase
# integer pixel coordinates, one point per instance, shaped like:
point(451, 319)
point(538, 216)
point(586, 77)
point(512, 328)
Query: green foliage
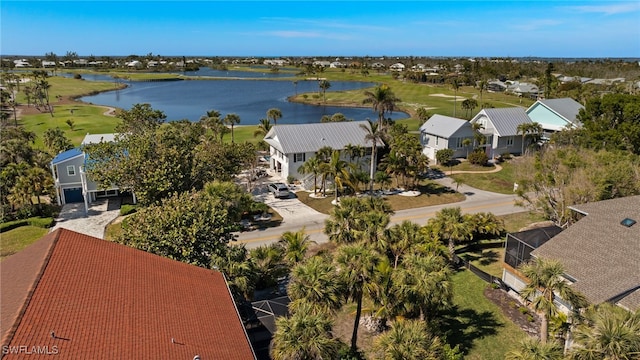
point(188, 227)
point(44, 223)
point(478, 157)
point(128, 209)
point(408, 340)
point(443, 156)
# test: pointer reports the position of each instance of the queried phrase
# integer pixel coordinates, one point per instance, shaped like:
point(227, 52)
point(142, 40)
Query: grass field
point(500, 182)
point(17, 239)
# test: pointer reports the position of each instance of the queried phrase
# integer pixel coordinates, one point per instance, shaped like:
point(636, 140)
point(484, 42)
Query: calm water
point(250, 99)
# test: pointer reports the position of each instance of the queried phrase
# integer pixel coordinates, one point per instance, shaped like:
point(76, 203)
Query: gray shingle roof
point(506, 120)
point(301, 138)
point(565, 107)
point(600, 253)
point(443, 126)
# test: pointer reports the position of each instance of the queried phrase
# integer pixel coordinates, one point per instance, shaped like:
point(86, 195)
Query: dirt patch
point(529, 322)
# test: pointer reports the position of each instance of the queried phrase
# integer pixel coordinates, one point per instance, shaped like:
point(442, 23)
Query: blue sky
point(322, 28)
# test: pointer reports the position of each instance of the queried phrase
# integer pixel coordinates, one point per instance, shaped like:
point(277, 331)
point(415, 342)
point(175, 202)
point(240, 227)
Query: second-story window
point(71, 170)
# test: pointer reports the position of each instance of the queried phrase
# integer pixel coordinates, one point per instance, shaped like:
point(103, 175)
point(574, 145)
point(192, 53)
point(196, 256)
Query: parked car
point(279, 190)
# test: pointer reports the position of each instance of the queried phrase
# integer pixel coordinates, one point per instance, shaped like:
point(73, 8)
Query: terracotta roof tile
point(105, 300)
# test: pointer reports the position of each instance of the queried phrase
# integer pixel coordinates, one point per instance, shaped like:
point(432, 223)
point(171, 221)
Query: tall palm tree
point(400, 238)
point(240, 272)
point(263, 128)
point(304, 335)
point(609, 332)
point(324, 86)
point(356, 267)
point(338, 169)
point(455, 84)
point(268, 265)
point(312, 166)
point(295, 245)
point(545, 281)
point(533, 129)
point(232, 120)
point(383, 100)
point(374, 134)
point(451, 225)
point(534, 349)
point(274, 114)
point(315, 282)
point(408, 340)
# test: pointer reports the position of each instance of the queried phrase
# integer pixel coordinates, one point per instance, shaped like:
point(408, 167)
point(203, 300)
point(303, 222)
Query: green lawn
point(476, 323)
point(17, 239)
point(500, 182)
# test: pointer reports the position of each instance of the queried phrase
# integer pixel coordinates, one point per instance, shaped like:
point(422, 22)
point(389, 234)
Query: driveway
point(101, 213)
point(292, 210)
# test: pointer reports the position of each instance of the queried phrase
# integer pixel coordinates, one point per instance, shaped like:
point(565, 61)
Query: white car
point(279, 190)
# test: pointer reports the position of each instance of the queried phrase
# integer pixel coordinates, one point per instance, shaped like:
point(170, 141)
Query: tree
point(187, 227)
point(268, 262)
point(533, 129)
point(240, 272)
point(374, 134)
point(295, 245)
point(304, 335)
point(56, 140)
point(139, 119)
point(443, 156)
point(315, 282)
point(466, 143)
point(312, 166)
point(608, 332)
point(545, 281)
point(400, 239)
point(338, 169)
point(346, 224)
point(468, 105)
point(355, 266)
point(482, 85)
point(231, 120)
point(383, 100)
point(408, 340)
point(274, 114)
point(423, 114)
point(534, 349)
point(324, 86)
point(449, 224)
point(455, 84)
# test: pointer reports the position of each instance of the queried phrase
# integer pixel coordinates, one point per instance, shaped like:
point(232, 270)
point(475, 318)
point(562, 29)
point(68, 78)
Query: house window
point(437, 141)
point(459, 144)
point(71, 170)
point(510, 141)
point(298, 157)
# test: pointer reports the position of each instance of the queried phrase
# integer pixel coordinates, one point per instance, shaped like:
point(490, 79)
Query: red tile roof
point(103, 300)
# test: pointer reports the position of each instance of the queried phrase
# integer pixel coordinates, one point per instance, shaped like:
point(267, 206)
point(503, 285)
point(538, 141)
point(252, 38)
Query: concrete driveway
point(291, 209)
point(101, 213)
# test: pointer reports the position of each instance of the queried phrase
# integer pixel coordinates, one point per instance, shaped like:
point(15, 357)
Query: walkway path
point(101, 213)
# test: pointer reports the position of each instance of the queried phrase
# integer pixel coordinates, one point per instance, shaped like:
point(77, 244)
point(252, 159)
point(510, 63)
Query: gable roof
point(302, 138)
point(505, 120)
point(565, 107)
point(98, 138)
point(66, 155)
point(443, 126)
point(600, 253)
point(96, 299)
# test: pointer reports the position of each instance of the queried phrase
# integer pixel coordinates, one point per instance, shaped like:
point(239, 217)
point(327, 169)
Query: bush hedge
point(44, 223)
point(127, 209)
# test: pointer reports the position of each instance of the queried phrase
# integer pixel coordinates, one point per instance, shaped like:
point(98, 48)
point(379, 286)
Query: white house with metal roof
point(70, 180)
point(444, 132)
point(500, 128)
point(291, 145)
point(555, 114)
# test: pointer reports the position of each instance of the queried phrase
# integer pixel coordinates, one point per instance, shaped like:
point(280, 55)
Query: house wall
point(507, 144)
point(512, 280)
point(549, 120)
point(289, 166)
point(61, 170)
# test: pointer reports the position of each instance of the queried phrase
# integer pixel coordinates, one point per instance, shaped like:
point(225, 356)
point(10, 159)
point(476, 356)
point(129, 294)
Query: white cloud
point(608, 9)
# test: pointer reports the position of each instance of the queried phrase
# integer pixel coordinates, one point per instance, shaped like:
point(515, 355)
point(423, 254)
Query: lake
point(250, 98)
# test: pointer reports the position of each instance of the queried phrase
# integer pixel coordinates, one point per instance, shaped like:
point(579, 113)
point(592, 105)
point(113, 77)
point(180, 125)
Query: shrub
point(478, 158)
point(128, 209)
point(44, 223)
point(77, 76)
point(530, 318)
point(443, 156)
point(10, 225)
point(290, 179)
point(523, 310)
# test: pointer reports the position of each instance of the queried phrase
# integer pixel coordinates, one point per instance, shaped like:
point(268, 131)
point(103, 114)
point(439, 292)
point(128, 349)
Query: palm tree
point(338, 169)
point(263, 128)
point(295, 245)
point(324, 86)
point(424, 284)
point(274, 114)
point(482, 85)
point(304, 335)
point(400, 238)
point(408, 340)
point(268, 265)
point(609, 332)
point(545, 281)
point(466, 143)
point(56, 140)
point(383, 100)
point(455, 84)
point(375, 134)
point(534, 129)
point(477, 136)
point(469, 105)
point(450, 224)
point(312, 166)
point(238, 269)
point(534, 349)
point(356, 266)
point(315, 282)
point(231, 119)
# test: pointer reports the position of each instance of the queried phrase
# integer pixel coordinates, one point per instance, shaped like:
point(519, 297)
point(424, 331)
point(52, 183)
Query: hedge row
point(34, 221)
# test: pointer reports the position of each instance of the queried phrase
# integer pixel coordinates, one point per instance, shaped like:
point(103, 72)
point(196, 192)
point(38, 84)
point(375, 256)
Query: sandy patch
point(449, 96)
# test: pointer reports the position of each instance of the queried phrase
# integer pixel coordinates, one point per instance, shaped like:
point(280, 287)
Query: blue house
point(555, 114)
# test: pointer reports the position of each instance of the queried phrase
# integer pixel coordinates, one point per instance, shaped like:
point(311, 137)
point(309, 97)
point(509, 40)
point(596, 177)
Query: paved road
point(476, 201)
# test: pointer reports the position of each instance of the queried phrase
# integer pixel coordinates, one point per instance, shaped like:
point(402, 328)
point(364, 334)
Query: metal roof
point(565, 107)
point(443, 126)
point(66, 155)
point(600, 253)
point(98, 138)
point(301, 138)
point(505, 120)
